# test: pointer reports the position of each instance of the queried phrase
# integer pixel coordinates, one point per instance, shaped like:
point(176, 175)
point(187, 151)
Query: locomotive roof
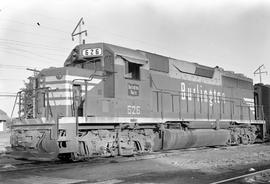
point(117, 50)
point(144, 57)
point(123, 51)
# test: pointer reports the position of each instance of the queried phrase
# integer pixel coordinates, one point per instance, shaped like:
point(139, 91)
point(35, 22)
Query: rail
point(234, 179)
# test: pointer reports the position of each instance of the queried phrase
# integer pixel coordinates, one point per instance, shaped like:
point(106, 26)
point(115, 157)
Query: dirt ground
point(220, 159)
point(182, 166)
point(203, 165)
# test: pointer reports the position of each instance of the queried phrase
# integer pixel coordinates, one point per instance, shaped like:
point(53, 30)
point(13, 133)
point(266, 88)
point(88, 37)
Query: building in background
point(3, 121)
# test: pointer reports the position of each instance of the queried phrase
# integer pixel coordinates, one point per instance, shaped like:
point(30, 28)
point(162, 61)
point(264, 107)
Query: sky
point(234, 35)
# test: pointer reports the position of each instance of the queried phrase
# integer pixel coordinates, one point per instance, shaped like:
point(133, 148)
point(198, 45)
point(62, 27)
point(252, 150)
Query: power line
point(31, 46)
point(17, 46)
point(10, 79)
point(95, 27)
point(32, 25)
point(32, 43)
point(52, 17)
point(103, 29)
point(16, 66)
point(29, 52)
point(33, 34)
point(8, 95)
point(155, 45)
point(19, 54)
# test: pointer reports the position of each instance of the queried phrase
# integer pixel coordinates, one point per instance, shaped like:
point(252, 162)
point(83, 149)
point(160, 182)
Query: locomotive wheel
point(64, 156)
point(74, 157)
point(68, 157)
point(249, 139)
point(244, 139)
point(252, 138)
point(238, 140)
point(229, 142)
point(137, 147)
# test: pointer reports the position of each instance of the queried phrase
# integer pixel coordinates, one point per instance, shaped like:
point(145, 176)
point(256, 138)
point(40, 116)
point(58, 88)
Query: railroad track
point(262, 176)
point(30, 165)
point(47, 165)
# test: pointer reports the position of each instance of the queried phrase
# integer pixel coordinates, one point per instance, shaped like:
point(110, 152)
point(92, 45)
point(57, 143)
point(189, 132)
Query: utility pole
point(33, 70)
point(260, 71)
point(80, 32)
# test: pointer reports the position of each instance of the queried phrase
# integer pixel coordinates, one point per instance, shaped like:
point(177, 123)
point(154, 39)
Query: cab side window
point(132, 70)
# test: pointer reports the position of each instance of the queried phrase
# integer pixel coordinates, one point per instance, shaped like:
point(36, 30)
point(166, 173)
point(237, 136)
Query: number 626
point(133, 109)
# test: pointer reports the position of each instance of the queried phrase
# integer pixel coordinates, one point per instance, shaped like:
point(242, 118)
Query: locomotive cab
point(123, 92)
point(97, 80)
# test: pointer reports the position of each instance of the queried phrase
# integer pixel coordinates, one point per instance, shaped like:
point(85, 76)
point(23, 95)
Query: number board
point(133, 89)
point(92, 52)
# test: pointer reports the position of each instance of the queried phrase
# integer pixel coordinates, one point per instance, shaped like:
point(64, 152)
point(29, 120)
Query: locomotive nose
point(45, 149)
point(34, 144)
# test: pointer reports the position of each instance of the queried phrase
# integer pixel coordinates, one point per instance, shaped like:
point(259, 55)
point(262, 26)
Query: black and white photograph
point(134, 92)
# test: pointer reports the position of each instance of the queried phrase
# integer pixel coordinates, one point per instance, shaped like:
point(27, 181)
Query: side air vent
point(204, 71)
point(158, 62)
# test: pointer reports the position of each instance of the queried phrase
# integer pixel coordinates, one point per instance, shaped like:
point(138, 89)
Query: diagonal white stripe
point(71, 78)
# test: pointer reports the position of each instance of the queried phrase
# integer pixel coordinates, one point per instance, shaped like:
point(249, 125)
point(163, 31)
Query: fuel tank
point(178, 139)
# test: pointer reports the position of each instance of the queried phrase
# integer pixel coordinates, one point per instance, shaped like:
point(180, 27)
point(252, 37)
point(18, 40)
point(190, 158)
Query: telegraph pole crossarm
point(78, 26)
point(260, 72)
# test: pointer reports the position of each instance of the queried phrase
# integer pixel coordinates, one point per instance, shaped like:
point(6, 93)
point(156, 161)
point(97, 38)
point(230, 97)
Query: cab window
point(132, 70)
point(94, 64)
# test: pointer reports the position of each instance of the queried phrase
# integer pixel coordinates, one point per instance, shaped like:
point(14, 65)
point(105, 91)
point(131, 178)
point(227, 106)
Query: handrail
point(85, 100)
point(19, 95)
point(14, 106)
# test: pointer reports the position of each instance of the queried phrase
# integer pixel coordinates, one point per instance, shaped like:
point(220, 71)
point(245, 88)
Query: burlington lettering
point(204, 95)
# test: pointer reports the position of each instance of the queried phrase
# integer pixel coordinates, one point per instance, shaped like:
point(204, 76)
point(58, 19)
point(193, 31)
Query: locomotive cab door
point(77, 100)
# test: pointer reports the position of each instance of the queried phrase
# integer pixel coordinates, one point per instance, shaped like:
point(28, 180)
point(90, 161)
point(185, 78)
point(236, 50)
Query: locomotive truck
point(109, 100)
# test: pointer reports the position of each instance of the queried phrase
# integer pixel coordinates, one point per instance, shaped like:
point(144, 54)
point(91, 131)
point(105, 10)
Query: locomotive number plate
point(133, 109)
point(92, 52)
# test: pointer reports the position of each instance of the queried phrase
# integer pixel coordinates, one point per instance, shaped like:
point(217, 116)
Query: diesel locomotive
point(109, 100)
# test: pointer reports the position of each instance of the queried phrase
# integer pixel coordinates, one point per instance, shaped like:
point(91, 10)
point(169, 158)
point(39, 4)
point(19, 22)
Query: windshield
point(93, 64)
point(90, 64)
